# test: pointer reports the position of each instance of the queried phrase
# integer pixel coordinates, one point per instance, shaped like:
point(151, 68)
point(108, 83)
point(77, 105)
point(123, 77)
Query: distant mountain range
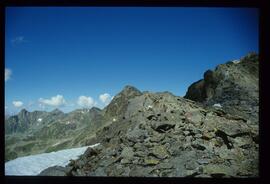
point(211, 132)
point(39, 131)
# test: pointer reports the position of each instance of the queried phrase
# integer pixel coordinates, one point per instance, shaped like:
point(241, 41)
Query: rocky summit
point(163, 135)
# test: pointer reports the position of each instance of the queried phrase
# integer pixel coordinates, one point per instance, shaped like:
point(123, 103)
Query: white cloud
point(105, 98)
point(85, 101)
point(7, 74)
point(17, 103)
point(57, 100)
point(42, 106)
point(18, 40)
point(31, 103)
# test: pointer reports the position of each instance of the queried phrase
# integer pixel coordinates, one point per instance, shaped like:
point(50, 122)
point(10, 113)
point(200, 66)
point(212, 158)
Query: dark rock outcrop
point(234, 85)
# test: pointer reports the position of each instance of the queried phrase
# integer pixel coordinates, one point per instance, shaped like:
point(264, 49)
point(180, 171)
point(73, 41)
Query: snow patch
point(34, 164)
point(56, 143)
point(39, 119)
point(236, 61)
point(217, 105)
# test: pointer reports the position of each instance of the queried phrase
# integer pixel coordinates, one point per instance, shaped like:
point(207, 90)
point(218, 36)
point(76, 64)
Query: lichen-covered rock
point(127, 153)
point(159, 152)
point(137, 135)
point(151, 161)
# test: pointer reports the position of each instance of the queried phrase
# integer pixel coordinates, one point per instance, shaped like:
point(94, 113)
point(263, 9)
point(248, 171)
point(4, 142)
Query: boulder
point(162, 127)
point(159, 152)
point(217, 170)
point(55, 171)
point(151, 161)
point(136, 135)
point(127, 153)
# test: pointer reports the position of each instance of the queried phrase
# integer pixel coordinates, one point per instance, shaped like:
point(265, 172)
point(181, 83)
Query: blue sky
point(70, 57)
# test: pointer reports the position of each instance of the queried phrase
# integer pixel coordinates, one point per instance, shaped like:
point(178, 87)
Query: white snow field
point(32, 165)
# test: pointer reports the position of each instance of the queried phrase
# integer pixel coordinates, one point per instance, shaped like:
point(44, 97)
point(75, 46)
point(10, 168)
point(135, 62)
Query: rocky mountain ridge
point(164, 135)
point(211, 132)
point(24, 120)
point(159, 134)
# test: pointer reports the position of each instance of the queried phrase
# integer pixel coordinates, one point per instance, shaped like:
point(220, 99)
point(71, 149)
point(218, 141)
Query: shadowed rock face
point(165, 135)
point(234, 85)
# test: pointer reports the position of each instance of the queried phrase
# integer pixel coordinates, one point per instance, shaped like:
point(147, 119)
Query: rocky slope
point(234, 85)
point(159, 134)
